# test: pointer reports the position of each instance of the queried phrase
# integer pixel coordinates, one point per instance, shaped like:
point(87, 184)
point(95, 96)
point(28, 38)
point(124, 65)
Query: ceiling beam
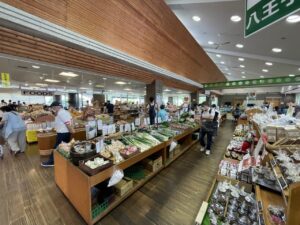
point(184, 2)
point(253, 56)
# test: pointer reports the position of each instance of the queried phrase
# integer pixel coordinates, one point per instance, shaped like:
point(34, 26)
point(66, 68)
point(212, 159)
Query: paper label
point(137, 121)
point(159, 120)
point(132, 127)
point(99, 124)
point(121, 128)
point(105, 130)
point(127, 127)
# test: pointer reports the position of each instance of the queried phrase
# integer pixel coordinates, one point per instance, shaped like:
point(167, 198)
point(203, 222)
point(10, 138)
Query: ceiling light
point(68, 74)
point(104, 78)
point(291, 75)
point(196, 18)
point(218, 55)
point(243, 77)
point(41, 84)
point(83, 88)
point(26, 84)
point(167, 90)
point(210, 42)
point(241, 59)
point(293, 19)
point(222, 62)
point(179, 92)
point(120, 82)
point(90, 83)
point(265, 70)
point(68, 81)
point(35, 67)
point(269, 64)
point(261, 76)
point(242, 66)
point(235, 18)
point(229, 73)
point(239, 46)
point(243, 72)
point(99, 85)
point(127, 89)
point(52, 81)
point(276, 50)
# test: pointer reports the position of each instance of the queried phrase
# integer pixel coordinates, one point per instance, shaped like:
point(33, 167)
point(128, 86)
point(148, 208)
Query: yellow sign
point(5, 78)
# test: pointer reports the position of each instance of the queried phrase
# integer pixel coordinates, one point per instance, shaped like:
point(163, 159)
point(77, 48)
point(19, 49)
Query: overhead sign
point(37, 92)
point(254, 82)
point(262, 13)
point(5, 79)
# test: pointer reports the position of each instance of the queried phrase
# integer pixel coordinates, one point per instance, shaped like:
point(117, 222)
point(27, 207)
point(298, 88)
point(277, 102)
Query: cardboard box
point(124, 186)
point(153, 165)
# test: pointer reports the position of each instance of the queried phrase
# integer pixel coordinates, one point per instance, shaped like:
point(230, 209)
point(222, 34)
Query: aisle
point(29, 195)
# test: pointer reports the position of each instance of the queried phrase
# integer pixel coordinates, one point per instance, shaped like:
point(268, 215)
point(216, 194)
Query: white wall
point(15, 96)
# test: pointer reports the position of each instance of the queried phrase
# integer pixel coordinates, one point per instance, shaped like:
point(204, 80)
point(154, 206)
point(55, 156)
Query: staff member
point(63, 126)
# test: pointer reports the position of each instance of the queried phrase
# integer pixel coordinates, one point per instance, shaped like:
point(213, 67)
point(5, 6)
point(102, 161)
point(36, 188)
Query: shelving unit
point(76, 185)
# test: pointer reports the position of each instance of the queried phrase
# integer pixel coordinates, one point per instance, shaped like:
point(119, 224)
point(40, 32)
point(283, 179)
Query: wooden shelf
point(268, 198)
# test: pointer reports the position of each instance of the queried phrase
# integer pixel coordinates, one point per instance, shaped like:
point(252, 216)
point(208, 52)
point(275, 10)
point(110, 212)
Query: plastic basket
point(135, 172)
point(99, 208)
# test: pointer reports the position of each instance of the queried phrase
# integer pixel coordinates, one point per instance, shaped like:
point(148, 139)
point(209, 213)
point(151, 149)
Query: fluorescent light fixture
point(243, 77)
point(265, 70)
point(210, 42)
point(299, 69)
point(120, 82)
point(167, 90)
point(83, 88)
point(218, 55)
point(269, 64)
point(52, 80)
point(243, 72)
point(241, 59)
point(242, 66)
point(235, 18)
point(68, 74)
point(229, 73)
point(277, 50)
point(196, 18)
point(222, 62)
point(179, 92)
point(104, 78)
point(127, 89)
point(35, 67)
point(41, 84)
point(293, 19)
point(26, 84)
point(99, 85)
point(291, 75)
point(239, 46)
point(262, 76)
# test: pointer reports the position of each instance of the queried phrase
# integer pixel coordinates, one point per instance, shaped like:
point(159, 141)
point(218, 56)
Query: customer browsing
point(63, 126)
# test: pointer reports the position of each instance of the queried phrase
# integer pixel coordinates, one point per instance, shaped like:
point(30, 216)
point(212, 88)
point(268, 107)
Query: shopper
point(110, 107)
point(290, 110)
point(152, 106)
point(3, 103)
point(63, 126)
point(14, 130)
point(162, 114)
point(207, 128)
point(237, 112)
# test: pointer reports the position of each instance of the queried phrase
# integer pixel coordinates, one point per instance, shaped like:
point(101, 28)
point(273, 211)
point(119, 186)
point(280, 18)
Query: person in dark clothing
point(237, 112)
point(110, 107)
point(152, 106)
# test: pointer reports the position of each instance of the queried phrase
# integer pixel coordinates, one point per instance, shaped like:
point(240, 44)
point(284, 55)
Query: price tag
point(92, 123)
point(159, 120)
point(100, 146)
point(114, 128)
point(105, 130)
point(259, 206)
point(148, 121)
point(121, 127)
point(127, 127)
point(282, 183)
point(92, 134)
point(273, 163)
point(137, 121)
point(99, 124)
point(110, 129)
point(132, 127)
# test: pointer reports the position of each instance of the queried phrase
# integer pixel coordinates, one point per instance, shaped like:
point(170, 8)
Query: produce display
point(241, 130)
point(229, 168)
point(276, 214)
point(96, 162)
point(265, 177)
point(129, 151)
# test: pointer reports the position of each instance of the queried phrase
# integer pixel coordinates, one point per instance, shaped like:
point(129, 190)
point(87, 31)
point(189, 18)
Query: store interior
point(173, 115)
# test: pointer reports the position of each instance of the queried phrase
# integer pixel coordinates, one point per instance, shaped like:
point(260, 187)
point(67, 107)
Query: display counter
point(77, 185)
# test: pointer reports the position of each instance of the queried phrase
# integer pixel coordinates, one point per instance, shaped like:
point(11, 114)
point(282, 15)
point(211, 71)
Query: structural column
point(155, 90)
point(74, 100)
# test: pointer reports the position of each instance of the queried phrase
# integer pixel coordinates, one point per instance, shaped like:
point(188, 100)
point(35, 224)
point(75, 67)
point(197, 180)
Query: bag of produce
point(115, 178)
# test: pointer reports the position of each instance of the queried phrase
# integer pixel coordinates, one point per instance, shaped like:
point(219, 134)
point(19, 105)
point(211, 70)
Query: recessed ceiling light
point(210, 42)
point(269, 64)
point(239, 46)
point(104, 78)
point(291, 75)
point(235, 18)
point(52, 81)
point(242, 66)
point(120, 82)
point(99, 85)
point(90, 83)
point(218, 55)
point(222, 62)
point(167, 90)
point(243, 72)
point(241, 59)
point(261, 76)
point(276, 50)
point(41, 84)
point(68, 74)
point(83, 88)
point(196, 18)
point(293, 19)
point(26, 84)
point(265, 70)
point(127, 89)
point(35, 67)
point(243, 77)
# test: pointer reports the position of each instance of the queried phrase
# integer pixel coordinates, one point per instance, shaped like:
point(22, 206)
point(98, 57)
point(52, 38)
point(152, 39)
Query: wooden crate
point(124, 186)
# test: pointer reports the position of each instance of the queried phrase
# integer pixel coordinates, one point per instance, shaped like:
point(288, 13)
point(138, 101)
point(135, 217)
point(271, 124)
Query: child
point(163, 114)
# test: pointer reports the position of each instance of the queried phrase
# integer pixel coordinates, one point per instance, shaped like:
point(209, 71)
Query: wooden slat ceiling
point(146, 29)
point(23, 45)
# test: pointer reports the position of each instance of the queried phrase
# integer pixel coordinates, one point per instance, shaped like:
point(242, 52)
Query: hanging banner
point(263, 13)
point(5, 79)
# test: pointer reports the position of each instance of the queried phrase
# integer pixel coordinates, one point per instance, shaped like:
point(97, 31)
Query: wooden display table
point(76, 185)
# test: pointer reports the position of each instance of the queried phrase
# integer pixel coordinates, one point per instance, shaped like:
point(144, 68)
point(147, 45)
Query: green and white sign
point(262, 13)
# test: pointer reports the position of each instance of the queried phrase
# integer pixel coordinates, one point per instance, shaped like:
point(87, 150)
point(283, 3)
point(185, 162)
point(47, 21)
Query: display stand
point(77, 186)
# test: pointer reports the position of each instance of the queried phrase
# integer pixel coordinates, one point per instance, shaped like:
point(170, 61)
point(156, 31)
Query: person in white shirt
point(208, 115)
point(63, 126)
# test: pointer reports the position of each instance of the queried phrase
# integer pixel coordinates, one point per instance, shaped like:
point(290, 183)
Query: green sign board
point(252, 83)
point(263, 13)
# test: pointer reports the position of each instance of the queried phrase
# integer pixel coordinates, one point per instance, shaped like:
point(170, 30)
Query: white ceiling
point(215, 25)
point(23, 75)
